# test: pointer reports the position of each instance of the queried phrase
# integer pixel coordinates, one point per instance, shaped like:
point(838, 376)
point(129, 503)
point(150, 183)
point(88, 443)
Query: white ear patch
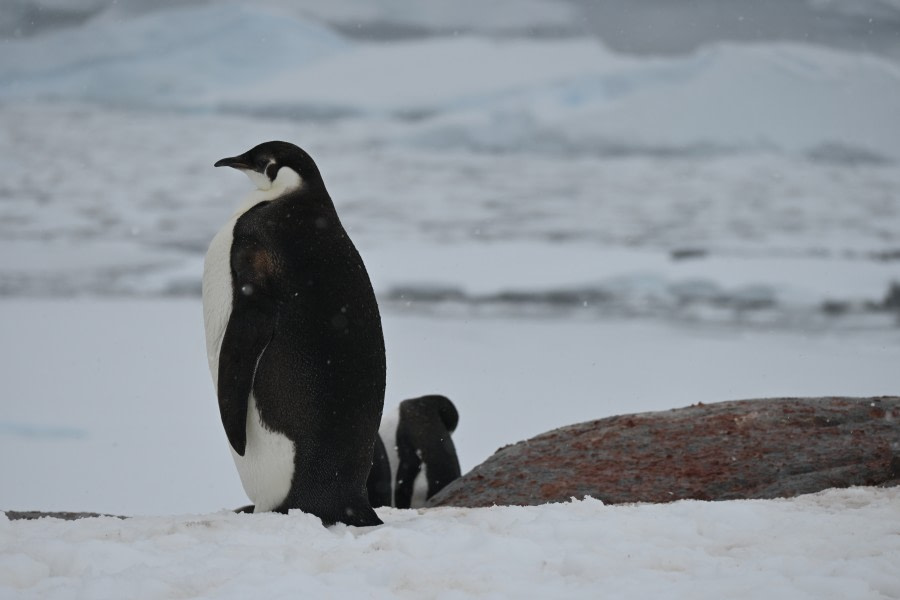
point(259, 179)
point(287, 180)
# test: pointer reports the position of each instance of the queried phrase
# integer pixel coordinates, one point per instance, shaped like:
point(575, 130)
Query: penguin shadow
point(414, 456)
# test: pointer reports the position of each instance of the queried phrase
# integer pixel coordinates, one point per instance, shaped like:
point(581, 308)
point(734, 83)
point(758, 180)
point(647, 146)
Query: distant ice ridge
point(791, 98)
point(366, 18)
point(176, 58)
point(564, 96)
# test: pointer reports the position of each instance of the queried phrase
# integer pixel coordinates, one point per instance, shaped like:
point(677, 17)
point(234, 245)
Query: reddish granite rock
point(742, 449)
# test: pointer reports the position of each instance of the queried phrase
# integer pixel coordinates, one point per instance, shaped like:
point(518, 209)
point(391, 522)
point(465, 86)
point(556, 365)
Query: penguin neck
point(286, 182)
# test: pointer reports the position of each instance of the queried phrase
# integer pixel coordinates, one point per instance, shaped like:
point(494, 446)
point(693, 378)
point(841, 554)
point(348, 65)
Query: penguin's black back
point(304, 305)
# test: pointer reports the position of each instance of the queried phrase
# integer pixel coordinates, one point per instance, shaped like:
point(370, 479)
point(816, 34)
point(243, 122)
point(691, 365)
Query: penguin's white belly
point(267, 467)
point(420, 488)
point(388, 432)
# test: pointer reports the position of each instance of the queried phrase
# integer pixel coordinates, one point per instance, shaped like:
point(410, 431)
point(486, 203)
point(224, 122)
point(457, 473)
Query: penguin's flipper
point(246, 337)
point(249, 330)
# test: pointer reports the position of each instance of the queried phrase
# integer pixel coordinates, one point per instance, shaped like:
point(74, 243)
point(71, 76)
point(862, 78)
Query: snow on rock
point(580, 549)
point(726, 450)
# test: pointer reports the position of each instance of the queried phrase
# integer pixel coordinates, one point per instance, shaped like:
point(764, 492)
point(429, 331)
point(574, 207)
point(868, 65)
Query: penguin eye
point(261, 163)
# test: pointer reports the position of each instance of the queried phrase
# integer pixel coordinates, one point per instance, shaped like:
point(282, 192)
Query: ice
point(399, 17)
point(161, 58)
point(642, 232)
point(553, 95)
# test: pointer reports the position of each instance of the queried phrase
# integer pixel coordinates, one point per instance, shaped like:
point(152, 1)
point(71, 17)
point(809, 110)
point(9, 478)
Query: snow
point(556, 232)
point(741, 549)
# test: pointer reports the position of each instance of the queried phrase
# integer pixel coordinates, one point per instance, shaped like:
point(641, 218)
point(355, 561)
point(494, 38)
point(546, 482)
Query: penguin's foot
point(362, 516)
point(356, 512)
point(245, 509)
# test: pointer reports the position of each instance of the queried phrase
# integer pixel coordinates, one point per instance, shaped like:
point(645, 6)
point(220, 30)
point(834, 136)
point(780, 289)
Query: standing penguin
point(417, 457)
point(294, 342)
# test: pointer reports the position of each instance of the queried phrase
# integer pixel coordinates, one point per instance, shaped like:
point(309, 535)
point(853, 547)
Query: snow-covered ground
point(834, 545)
point(556, 232)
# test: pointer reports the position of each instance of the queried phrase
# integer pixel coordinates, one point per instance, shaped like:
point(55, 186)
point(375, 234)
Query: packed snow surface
point(838, 544)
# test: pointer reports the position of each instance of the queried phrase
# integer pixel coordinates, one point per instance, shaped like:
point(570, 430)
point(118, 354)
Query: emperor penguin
point(294, 342)
point(416, 457)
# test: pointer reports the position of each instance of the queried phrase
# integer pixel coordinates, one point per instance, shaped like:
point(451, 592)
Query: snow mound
point(583, 549)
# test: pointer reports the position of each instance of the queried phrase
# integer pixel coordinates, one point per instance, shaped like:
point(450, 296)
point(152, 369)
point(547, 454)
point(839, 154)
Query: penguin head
point(275, 167)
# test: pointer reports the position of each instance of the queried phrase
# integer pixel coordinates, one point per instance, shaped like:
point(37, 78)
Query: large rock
point(743, 449)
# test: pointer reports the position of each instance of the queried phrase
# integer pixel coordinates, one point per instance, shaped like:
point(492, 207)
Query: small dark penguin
point(294, 342)
point(419, 457)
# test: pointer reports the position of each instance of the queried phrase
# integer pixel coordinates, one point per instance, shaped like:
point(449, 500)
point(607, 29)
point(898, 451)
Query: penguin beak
point(236, 162)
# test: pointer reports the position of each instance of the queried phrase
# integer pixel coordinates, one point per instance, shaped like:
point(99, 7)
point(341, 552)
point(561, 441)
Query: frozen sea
point(557, 231)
